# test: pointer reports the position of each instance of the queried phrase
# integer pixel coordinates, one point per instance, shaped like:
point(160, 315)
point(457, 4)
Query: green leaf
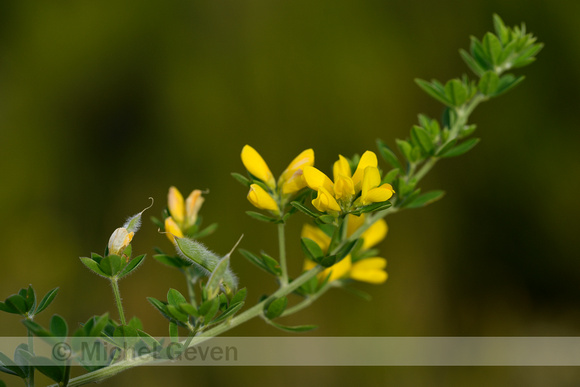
point(255, 260)
point(177, 314)
point(173, 332)
point(261, 217)
point(50, 369)
point(131, 266)
point(456, 92)
point(8, 308)
point(58, 326)
point(304, 209)
point(311, 249)
point(174, 297)
point(488, 83)
point(232, 310)
point(276, 308)
point(372, 208)
point(293, 329)
point(239, 296)
point(433, 91)
point(93, 266)
point(206, 231)
point(30, 298)
point(176, 262)
point(406, 149)
point(390, 176)
point(213, 283)
point(98, 326)
point(111, 265)
point(160, 306)
point(272, 264)
point(388, 155)
point(462, 148)
point(149, 340)
point(506, 83)
point(492, 47)
point(242, 179)
point(209, 308)
point(37, 329)
point(189, 309)
point(500, 29)
point(423, 139)
point(327, 261)
point(346, 249)
point(471, 63)
point(18, 303)
point(9, 367)
point(425, 199)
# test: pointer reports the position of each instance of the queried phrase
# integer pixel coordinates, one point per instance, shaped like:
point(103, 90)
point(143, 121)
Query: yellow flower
point(262, 199)
point(371, 270)
point(367, 270)
point(172, 229)
point(347, 185)
point(183, 213)
point(290, 181)
point(256, 165)
point(372, 235)
point(119, 241)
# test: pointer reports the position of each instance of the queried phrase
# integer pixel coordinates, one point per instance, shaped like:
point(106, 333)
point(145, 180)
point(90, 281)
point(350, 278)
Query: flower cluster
point(342, 195)
point(268, 194)
point(366, 269)
point(182, 213)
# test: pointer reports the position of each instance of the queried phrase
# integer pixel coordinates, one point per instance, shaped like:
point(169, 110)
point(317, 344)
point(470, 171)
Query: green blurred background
point(103, 104)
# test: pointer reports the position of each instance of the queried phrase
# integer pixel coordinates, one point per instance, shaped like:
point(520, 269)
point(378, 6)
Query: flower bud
point(119, 241)
point(261, 199)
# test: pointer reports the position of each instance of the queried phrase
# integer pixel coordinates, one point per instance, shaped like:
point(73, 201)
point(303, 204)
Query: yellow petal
point(377, 195)
point(325, 201)
point(317, 235)
point(192, 205)
point(262, 199)
point(172, 230)
point(308, 264)
point(353, 223)
point(176, 204)
point(341, 167)
point(340, 269)
point(370, 270)
point(306, 158)
point(368, 159)
point(343, 187)
point(256, 165)
point(119, 241)
point(316, 179)
point(294, 184)
point(374, 234)
point(371, 179)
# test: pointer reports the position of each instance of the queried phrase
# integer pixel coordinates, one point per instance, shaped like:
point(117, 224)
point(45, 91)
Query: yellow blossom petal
point(316, 179)
point(371, 179)
point(325, 201)
point(374, 234)
point(353, 223)
point(119, 241)
point(294, 184)
point(338, 270)
point(317, 235)
point(256, 165)
point(341, 167)
point(192, 205)
point(306, 158)
point(172, 230)
point(343, 187)
point(262, 199)
point(368, 159)
point(370, 270)
point(176, 204)
point(379, 194)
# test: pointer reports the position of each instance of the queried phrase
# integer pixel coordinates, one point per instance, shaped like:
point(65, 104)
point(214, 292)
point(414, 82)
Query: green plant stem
point(115, 285)
point(307, 301)
point(282, 247)
point(30, 379)
point(254, 311)
point(190, 290)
